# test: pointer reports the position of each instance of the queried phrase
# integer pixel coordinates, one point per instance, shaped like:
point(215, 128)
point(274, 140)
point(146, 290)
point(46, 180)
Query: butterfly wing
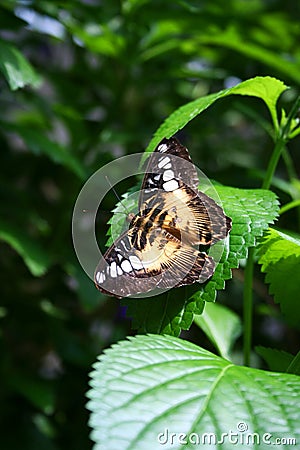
point(171, 186)
point(166, 173)
point(164, 262)
point(157, 250)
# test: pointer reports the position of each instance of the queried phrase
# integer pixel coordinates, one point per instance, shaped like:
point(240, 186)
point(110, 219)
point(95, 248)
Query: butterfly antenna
point(118, 197)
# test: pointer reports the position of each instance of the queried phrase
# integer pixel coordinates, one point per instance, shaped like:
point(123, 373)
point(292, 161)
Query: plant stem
point(282, 138)
point(248, 306)
point(273, 163)
point(288, 206)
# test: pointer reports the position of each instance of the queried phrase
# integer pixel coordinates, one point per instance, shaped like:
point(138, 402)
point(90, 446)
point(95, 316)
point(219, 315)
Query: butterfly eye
point(130, 217)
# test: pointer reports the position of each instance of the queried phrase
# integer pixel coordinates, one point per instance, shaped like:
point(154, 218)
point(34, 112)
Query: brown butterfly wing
point(164, 262)
point(157, 250)
point(162, 171)
point(189, 211)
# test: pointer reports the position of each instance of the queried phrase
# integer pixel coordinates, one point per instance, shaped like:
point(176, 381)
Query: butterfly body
point(161, 247)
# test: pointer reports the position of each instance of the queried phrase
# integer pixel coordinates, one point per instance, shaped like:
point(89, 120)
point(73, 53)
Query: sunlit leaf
point(267, 88)
point(149, 387)
point(15, 68)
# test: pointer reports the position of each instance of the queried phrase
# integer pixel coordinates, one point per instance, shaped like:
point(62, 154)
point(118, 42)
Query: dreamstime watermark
point(240, 436)
point(98, 185)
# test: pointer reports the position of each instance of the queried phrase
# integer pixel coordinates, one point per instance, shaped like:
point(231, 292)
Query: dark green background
point(110, 75)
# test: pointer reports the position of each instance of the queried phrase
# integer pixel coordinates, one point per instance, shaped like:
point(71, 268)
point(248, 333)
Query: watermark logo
point(240, 436)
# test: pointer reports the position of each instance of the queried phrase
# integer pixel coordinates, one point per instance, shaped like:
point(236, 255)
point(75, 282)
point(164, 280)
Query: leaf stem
point(248, 306)
point(273, 163)
point(288, 206)
point(282, 137)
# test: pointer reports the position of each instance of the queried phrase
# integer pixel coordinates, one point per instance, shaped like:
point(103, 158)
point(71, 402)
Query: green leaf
point(167, 313)
point(16, 69)
point(149, 387)
point(267, 88)
point(251, 210)
point(277, 360)
point(221, 325)
point(98, 38)
point(39, 392)
point(279, 255)
point(232, 39)
point(34, 256)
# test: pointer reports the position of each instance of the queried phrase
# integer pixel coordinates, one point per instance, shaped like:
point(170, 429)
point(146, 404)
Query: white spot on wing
point(100, 277)
point(163, 148)
point(119, 270)
point(113, 269)
point(171, 185)
point(136, 262)
point(126, 266)
point(168, 175)
point(163, 162)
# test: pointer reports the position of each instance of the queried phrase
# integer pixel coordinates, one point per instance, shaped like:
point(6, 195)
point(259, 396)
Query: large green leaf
point(251, 210)
point(15, 68)
point(279, 255)
point(149, 387)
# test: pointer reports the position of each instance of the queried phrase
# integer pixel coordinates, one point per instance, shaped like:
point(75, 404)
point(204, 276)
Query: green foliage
point(169, 384)
point(277, 360)
point(279, 255)
point(266, 88)
point(16, 69)
point(251, 212)
point(83, 83)
point(35, 257)
point(221, 325)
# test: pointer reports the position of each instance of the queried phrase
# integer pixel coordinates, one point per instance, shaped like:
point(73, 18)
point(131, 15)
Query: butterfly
point(166, 243)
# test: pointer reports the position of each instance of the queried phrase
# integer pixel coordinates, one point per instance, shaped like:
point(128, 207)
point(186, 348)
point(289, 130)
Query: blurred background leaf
point(90, 81)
